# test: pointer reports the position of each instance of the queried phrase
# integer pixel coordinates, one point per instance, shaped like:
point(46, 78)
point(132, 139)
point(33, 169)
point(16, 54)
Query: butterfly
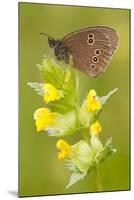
point(91, 48)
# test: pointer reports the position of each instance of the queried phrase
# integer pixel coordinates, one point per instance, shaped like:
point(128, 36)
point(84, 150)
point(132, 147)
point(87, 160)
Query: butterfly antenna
point(46, 34)
point(51, 41)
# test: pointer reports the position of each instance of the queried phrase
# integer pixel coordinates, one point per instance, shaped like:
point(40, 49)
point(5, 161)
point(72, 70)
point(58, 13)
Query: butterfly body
point(91, 48)
point(60, 50)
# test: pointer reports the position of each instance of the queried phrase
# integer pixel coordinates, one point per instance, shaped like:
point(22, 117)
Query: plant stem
point(99, 182)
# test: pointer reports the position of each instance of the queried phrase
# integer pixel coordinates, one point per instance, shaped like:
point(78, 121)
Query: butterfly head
point(52, 42)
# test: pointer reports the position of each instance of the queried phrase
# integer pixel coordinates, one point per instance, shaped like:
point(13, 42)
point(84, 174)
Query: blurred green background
point(40, 171)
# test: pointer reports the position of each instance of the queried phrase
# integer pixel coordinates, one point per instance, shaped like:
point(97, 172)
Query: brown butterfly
point(91, 48)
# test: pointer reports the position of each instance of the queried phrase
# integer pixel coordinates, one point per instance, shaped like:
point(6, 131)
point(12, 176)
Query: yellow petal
point(51, 93)
point(43, 118)
point(95, 128)
point(93, 102)
point(64, 149)
point(92, 94)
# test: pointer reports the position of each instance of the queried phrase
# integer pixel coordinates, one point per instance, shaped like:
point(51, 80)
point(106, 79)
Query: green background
point(40, 171)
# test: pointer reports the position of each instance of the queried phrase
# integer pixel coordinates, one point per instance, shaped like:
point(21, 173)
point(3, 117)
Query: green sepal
point(74, 178)
point(64, 125)
point(87, 118)
point(97, 147)
point(96, 144)
point(82, 155)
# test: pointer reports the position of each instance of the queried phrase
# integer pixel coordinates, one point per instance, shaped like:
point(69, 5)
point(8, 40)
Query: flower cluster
point(63, 114)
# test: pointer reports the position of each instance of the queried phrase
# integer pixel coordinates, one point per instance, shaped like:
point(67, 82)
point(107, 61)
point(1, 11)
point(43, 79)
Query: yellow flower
point(64, 149)
point(44, 118)
point(95, 128)
point(51, 93)
point(93, 103)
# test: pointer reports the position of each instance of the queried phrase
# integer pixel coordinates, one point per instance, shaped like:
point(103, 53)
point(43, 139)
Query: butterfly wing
point(92, 48)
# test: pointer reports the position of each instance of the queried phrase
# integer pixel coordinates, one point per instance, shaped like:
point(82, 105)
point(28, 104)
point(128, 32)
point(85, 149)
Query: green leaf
point(106, 152)
point(76, 175)
point(74, 178)
point(104, 99)
point(52, 72)
point(38, 87)
point(71, 166)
